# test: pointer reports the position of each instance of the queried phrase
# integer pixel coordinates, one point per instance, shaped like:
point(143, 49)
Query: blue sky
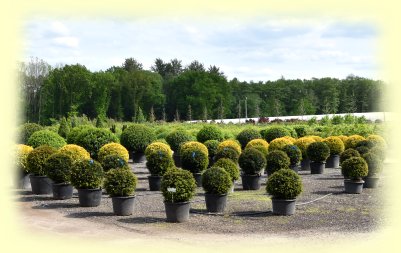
point(252, 49)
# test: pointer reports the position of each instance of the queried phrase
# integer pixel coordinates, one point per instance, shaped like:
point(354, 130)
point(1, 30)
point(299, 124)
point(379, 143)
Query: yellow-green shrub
point(156, 146)
point(76, 152)
point(113, 149)
point(335, 144)
point(279, 143)
point(303, 143)
point(352, 141)
point(22, 151)
point(189, 145)
point(259, 144)
point(377, 140)
point(315, 137)
point(229, 143)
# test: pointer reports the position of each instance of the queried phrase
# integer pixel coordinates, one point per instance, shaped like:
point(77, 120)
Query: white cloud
point(67, 41)
point(59, 28)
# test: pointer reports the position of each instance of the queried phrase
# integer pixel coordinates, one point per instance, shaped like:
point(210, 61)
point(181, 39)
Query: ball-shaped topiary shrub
point(137, 137)
point(36, 159)
point(277, 160)
point(294, 153)
point(352, 141)
point(259, 144)
point(348, 153)
point(157, 146)
point(275, 132)
point(375, 164)
point(318, 151)
point(362, 150)
point(230, 166)
point(252, 161)
point(92, 139)
point(355, 168)
point(58, 168)
point(379, 151)
point(75, 152)
point(212, 147)
point(182, 181)
point(247, 135)
point(193, 145)
point(303, 143)
point(21, 153)
point(176, 138)
point(335, 145)
point(316, 138)
point(284, 184)
point(209, 132)
point(343, 138)
point(159, 162)
point(194, 159)
point(279, 144)
point(229, 143)
point(216, 180)
point(229, 153)
point(46, 137)
point(26, 130)
point(114, 162)
point(112, 149)
point(87, 174)
point(365, 143)
point(120, 183)
point(72, 136)
point(301, 131)
point(377, 140)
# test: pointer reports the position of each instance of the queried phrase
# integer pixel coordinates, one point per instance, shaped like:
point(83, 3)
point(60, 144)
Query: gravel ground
point(322, 208)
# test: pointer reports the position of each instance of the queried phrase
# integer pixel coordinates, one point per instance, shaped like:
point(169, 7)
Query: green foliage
point(229, 153)
point(348, 153)
point(216, 180)
point(64, 128)
point(75, 152)
point(92, 139)
point(337, 120)
point(318, 151)
point(301, 131)
point(120, 182)
point(157, 146)
point(375, 164)
point(353, 140)
point(259, 144)
point(379, 151)
point(26, 130)
point(335, 145)
point(355, 168)
point(362, 150)
point(212, 147)
point(229, 166)
point(87, 174)
point(272, 133)
point(277, 160)
point(294, 153)
point(46, 137)
point(113, 149)
point(194, 159)
point(21, 153)
point(159, 162)
point(58, 167)
point(36, 159)
point(137, 137)
point(176, 138)
point(209, 132)
point(284, 184)
point(247, 135)
point(113, 161)
point(184, 183)
point(72, 136)
point(139, 117)
point(252, 161)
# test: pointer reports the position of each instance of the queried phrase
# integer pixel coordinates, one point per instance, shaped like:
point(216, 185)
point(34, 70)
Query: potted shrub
point(284, 186)
point(178, 187)
point(336, 147)
point(348, 153)
point(36, 159)
point(22, 174)
point(92, 139)
point(318, 152)
point(157, 146)
point(26, 130)
point(352, 141)
point(113, 162)
point(212, 149)
point(303, 143)
point(280, 143)
point(209, 132)
point(113, 149)
point(375, 165)
point(157, 164)
point(277, 160)
point(248, 135)
point(295, 155)
point(75, 152)
point(227, 152)
point(58, 169)
point(252, 162)
point(87, 177)
point(136, 138)
point(73, 135)
point(46, 137)
point(354, 168)
point(175, 139)
point(120, 184)
point(216, 182)
point(259, 144)
point(272, 133)
point(230, 167)
point(194, 158)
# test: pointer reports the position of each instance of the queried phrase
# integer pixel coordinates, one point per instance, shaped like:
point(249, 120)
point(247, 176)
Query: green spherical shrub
point(280, 143)
point(113, 162)
point(21, 153)
point(348, 153)
point(379, 151)
point(284, 184)
point(120, 183)
point(36, 159)
point(355, 168)
point(92, 139)
point(365, 143)
point(294, 153)
point(112, 149)
point(303, 143)
point(194, 159)
point(352, 141)
point(335, 145)
point(275, 132)
point(252, 161)
point(26, 130)
point(301, 131)
point(176, 138)
point(75, 152)
point(229, 166)
point(73, 135)
point(318, 151)
point(137, 137)
point(58, 167)
point(259, 144)
point(193, 145)
point(231, 144)
point(157, 146)
point(46, 137)
point(212, 147)
point(377, 140)
point(362, 150)
point(209, 132)
point(277, 160)
point(182, 181)
point(159, 162)
point(375, 164)
point(228, 153)
point(87, 174)
point(247, 135)
point(216, 180)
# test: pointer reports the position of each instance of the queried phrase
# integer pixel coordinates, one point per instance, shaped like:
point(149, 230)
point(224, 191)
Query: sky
point(256, 49)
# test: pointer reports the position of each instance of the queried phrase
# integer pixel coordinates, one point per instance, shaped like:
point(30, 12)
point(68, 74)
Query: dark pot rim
point(89, 189)
point(176, 203)
point(353, 181)
point(61, 184)
point(283, 200)
point(155, 176)
point(38, 176)
point(123, 197)
point(213, 194)
point(318, 162)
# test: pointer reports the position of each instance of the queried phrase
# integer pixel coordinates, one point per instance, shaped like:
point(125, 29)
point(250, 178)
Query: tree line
point(169, 91)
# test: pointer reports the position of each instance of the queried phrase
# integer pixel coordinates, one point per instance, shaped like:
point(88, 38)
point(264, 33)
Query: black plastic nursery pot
point(317, 167)
point(177, 160)
point(89, 197)
point(295, 167)
point(333, 161)
point(198, 179)
point(22, 180)
point(123, 206)
point(283, 206)
point(215, 203)
point(250, 182)
point(62, 191)
point(138, 157)
point(154, 182)
point(370, 182)
point(353, 187)
point(177, 212)
point(305, 164)
point(41, 184)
